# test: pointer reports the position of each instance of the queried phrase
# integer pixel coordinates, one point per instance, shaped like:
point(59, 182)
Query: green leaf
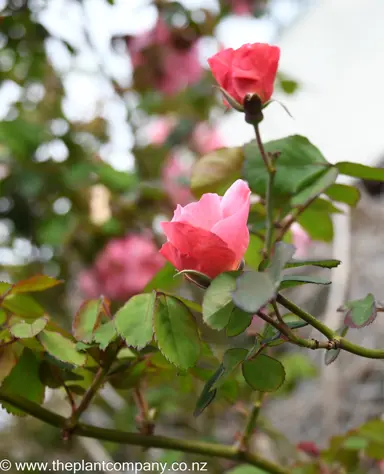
point(35, 283)
point(87, 319)
point(282, 254)
point(361, 312)
point(238, 322)
point(333, 354)
point(207, 395)
point(357, 170)
point(328, 263)
point(253, 291)
point(355, 443)
point(134, 321)
point(217, 302)
point(23, 306)
point(61, 348)
point(264, 373)
point(105, 334)
point(24, 380)
point(299, 161)
point(216, 171)
point(189, 304)
point(318, 224)
point(231, 360)
point(176, 332)
point(289, 281)
point(253, 255)
point(318, 186)
point(373, 430)
point(4, 287)
point(24, 330)
point(344, 193)
point(163, 280)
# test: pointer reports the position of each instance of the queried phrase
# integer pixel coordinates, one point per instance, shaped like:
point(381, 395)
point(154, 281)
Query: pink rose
point(250, 69)
point(122, 268)
point(301, 240)
point(211, 235)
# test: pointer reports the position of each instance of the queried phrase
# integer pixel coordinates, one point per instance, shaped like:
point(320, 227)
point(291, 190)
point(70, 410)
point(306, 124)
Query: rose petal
point(234, 231)
point(206, 251)
point(203, 214)
point(234, 198)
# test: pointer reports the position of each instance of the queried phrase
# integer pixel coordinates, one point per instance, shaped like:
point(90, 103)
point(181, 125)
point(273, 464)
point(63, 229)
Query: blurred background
point(105, 106)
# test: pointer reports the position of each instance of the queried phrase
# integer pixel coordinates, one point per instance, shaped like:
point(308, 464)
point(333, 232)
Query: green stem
point(268, 195)
point(291, 336)
point(288, 304)
point(251, 422)
point(195, 447)
point(359, 350)
point(334, 341)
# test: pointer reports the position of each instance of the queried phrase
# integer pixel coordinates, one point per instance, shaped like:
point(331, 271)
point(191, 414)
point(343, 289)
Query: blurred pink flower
point(206, 139)
point(301, 240)
point(122, 268)
point(160, 130)
point(172, 66)
point(181, 68)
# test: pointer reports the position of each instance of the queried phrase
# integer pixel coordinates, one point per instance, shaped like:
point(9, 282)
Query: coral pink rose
point(250, 69)
point(122, 268)
point(211, 235)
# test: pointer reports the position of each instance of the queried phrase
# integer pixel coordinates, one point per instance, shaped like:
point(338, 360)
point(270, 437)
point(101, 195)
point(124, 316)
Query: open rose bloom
point(211, 235)
point(250, 69)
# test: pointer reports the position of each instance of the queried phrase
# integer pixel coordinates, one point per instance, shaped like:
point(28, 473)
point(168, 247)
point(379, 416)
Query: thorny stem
point(334, 340)
point(286, 224)
point(328, 333)
point(268, 196)
point(136, 439)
